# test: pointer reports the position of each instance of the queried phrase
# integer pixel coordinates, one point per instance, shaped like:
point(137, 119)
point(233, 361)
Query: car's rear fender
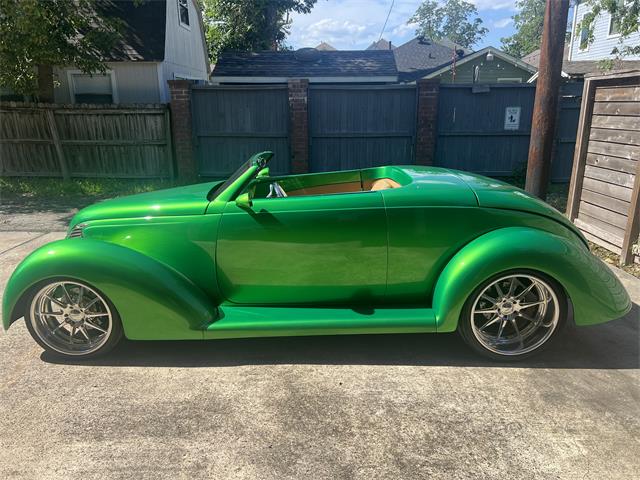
point(154, 301)
point(596, 293)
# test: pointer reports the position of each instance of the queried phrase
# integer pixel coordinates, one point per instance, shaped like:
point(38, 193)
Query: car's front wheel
point(72, 318)
point(514, 315)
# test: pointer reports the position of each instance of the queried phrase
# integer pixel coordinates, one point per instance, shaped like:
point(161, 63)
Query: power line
point(387, 19)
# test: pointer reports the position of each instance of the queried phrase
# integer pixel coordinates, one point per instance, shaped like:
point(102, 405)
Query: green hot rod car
point(378, 250)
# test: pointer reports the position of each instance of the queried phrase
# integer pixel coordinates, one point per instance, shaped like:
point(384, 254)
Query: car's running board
point(242, 321)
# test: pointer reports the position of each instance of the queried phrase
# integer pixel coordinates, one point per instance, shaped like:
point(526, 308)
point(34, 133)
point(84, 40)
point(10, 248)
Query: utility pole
point(546, 102)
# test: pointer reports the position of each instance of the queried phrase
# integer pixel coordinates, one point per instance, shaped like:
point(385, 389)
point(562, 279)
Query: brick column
point(298, 125)
point(181, 133)
point(427, 122)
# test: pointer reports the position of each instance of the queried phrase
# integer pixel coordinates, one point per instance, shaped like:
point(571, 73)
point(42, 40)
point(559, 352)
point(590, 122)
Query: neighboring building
point(162, 40)
point(420, 57)
point(488, 65)
point(339, 66)
point(325, 47)
point(381, 44)
point(606, 37)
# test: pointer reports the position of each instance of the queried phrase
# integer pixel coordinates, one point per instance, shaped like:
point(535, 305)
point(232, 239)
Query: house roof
point(419, 57)
point(381, 44)
point(307, 63)
point(143, 29)
point(532, 58)
point(505, 57)
point(325, 46)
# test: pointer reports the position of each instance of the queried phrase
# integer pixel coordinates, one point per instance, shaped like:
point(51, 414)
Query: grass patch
point(98, 188)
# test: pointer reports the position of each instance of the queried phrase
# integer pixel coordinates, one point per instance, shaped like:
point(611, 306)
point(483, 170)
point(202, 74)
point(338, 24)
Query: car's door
point(321, 249)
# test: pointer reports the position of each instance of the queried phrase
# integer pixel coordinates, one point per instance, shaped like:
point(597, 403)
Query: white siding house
point(605, 39)
point(163, 40)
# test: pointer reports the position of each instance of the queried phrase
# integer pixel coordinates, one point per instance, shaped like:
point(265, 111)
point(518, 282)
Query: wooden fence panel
point(355, 126)
point(472, 134)
point(603, 198)
point(231, 123)
point(85, 140)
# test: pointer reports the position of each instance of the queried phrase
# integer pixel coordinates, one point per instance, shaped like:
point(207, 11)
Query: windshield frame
point(231, 187)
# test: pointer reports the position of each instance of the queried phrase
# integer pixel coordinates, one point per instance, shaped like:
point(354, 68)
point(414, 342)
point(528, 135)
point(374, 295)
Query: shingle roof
point(307, 62)
point(143, 29)
point(581, 68)
point(381, 44)
point(420, 56)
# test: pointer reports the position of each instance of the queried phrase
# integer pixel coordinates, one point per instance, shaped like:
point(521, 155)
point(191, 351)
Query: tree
point(36, 35)
point(449, 20)
point(249, 25)
point(528, 24)
point(626, 14)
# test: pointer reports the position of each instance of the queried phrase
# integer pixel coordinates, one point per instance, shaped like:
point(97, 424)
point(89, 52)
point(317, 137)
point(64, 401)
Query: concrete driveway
point(351, 407)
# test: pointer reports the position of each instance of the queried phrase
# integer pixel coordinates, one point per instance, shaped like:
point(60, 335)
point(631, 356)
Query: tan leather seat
point(383, 184)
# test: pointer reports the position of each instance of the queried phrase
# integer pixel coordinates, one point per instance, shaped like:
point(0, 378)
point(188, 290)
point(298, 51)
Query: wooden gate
point(605, 182)
point(358, 126)
point(231, 123)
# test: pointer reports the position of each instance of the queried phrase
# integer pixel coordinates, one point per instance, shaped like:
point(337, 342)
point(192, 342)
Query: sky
point(354, 24)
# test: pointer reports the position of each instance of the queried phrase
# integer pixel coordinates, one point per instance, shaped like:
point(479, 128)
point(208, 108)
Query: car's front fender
point(596, 293)
point(154, 301)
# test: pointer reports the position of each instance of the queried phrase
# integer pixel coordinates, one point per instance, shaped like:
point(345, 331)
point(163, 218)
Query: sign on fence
point(512, 118)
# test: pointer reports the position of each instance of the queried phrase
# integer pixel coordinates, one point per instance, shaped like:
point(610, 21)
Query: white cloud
point(494, 4)
point(502, 22)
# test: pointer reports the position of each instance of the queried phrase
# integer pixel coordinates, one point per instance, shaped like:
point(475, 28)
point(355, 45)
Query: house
point(319, 66)
point(325, 46)
point(485, 66)
point(581, 58)
point(161, 40)
point(381, 44)
point(606, 38)
point(420, 57)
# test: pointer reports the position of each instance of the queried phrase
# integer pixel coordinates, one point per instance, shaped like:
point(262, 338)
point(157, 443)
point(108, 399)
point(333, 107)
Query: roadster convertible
point(379, 250)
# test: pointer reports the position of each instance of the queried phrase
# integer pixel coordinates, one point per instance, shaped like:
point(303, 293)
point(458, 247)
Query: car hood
point(188, 200)
point(493, 193)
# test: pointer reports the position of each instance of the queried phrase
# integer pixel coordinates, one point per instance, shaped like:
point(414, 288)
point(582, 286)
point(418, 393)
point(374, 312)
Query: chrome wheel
point(71, 318)
point(515, 314)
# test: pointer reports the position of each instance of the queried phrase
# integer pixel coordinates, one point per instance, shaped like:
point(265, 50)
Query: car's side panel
point(315, 250)
point(155, 302)
point(185, 243)
point(422, 240)
point(596, 294)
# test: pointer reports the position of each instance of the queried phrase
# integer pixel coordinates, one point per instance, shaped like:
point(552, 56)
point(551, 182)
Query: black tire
point(470, 336)
point(113, 337)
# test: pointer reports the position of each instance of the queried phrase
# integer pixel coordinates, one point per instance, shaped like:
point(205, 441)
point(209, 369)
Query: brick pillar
point(181, 128)
point(299, 125)
point(427, 122)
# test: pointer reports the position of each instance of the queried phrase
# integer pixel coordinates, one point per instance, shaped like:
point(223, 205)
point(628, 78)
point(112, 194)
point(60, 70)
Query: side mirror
point(244, 201)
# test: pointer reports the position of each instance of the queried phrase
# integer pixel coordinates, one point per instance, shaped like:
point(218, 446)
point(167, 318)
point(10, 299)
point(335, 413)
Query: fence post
point(55, 138)
point(181, 127)
point(299, 124)
point(426, 125)
point(633, 222)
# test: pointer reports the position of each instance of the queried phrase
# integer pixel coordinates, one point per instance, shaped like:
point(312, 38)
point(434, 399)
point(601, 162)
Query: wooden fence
point(604, 197)
point(124, 141)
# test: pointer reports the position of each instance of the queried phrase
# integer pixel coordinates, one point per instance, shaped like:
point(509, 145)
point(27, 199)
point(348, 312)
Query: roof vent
point(307, 54)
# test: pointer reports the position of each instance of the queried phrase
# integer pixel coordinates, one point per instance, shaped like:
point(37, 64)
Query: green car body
point(199, 263)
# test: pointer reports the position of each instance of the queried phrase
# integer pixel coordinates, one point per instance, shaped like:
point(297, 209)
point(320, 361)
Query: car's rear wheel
point(72, 318)
point(514, 315)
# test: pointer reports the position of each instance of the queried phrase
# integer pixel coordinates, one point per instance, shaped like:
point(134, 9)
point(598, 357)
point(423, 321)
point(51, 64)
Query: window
point(183, 12)
point(584, 37)
point(510, 80)
point(614, 20)
point(96, 88)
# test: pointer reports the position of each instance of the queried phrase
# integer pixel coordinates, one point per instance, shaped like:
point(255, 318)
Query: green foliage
point(528, 23)
point(627, 17)
point(94, 188)
point(249, 25)
point(52, 32)
point(449, 20)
